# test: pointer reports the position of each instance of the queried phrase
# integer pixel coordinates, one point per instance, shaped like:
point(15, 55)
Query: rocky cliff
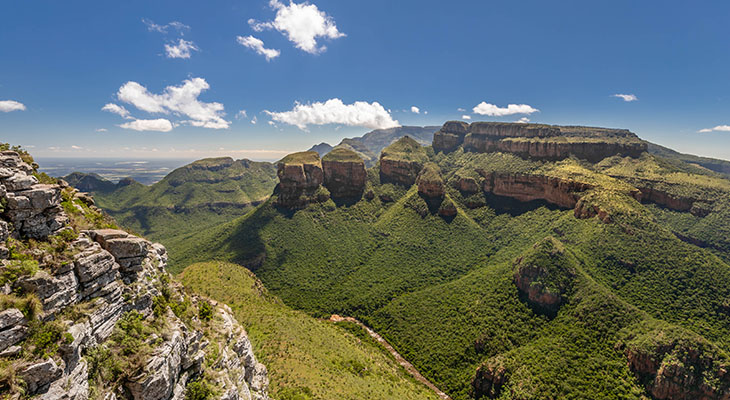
point(673, 364)
point(537, 141)
point(300, 180)
point(402, 161)
point(344, 173)
point(87, 311)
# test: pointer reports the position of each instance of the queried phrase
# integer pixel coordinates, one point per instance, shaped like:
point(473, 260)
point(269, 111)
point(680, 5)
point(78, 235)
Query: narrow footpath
point(402, 361)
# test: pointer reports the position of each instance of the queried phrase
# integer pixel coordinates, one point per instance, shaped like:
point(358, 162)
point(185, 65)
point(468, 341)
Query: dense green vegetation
point(202, 194)
point(442, 292)
point(306, 358)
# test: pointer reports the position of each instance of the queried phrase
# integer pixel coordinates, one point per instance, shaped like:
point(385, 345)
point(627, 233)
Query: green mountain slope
point(204, 193)
point(646, 280)
point(306, 358)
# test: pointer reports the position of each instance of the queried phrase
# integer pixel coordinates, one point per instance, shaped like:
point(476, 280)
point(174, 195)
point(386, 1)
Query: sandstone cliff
point(401, 162)
point(538, 141)
point(430, 183)
point(300, 180)
point(344, 173)
point(90, 312)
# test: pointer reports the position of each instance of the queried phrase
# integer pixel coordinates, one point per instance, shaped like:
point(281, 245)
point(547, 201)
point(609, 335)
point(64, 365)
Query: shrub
point(198, 390)
point(205, 311)
point(17, 268)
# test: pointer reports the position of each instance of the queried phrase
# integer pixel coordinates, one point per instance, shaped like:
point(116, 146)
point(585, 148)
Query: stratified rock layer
point(402, 161)
point(300, 178)
point(344, 173)
point(538, 141)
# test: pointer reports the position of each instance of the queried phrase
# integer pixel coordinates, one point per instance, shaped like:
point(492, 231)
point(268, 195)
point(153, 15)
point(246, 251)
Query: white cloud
point(466, 117)
point(179, 100)
point(180, 50)
point(241, 114)
point(11, 105)
point(254, 120)
point(77, 147)
point(719, 128)
point(157, 125)
point(302, 23)
point(626, 97)
point(523, 120)
point(101, 130)
point(415, 110)
point(257, 45)
point(461, 109)
point(153, 27)
point(491, 110)
point(334, 111)
point(117, 109)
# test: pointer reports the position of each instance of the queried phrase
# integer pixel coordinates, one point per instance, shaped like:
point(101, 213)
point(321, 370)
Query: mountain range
point(502, 260)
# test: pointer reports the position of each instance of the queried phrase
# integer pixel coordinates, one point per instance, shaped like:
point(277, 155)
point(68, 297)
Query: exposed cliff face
point(300, 178)
point(402, 161)
point(489, 379)
point(537, 141)
point(678, 368)
point(430, 183)
point(561, 192)
point(545, 275)
point(104, 323)
point(33, 208)
point(344, 173)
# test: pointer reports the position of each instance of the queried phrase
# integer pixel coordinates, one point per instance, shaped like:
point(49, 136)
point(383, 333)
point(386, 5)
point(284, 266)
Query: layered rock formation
point(674, 367)
point(489, 379)
point(525, 187)
point(402, 161)
point(544, 275)
point(536, 141)
point(33, 208)
point(429, 181)
point(344, 173)
point(100, 289)
point(300, 178)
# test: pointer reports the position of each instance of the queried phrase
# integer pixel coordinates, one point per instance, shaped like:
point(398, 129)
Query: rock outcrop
point(526, 187)
point(33, 208)
point(545, 275)
point(344, 173)
point(300, 180)
point(675, 367)
point(402, 161)
point(430, 183)
point(537, 141)
point(104, 277)
point(489, 379)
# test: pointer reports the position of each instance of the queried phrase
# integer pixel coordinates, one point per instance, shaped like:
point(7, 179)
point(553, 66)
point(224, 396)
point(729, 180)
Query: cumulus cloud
point(334, 111)
point(179, 100)
point(466, 117)
point(157, 125)
point(254, 120)
point(626, 97)
point(153, 27)
point(11, 105)
point(491, 110)
point(257, 45)
point(100, 130)
point(180, 50)
point(76, 147)
point(461, 109)
point(302, 24)
point(523, 120)
point(241, 114)
point(415, 110)
point(719, 128)
point(117, 109)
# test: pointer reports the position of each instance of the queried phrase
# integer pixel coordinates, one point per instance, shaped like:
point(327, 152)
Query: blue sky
point(330, 69)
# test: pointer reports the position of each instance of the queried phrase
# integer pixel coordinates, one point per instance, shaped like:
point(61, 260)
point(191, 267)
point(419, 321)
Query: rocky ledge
point(537, 141)
point(344, 173)
point(93, 313)
point(402, 161)
point(300, 180)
